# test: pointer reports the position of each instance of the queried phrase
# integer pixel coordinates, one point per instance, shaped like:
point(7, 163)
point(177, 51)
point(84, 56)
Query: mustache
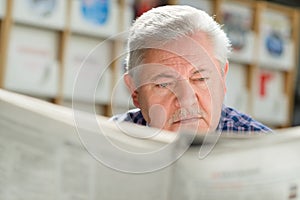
point(186, 113)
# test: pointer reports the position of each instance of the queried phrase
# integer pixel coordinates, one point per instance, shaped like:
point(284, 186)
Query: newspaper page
point(242, 167)
point(43, 155)
point(46, 154)
point(39, 164)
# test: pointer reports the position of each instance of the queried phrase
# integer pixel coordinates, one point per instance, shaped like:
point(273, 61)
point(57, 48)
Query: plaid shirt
point(231, 120)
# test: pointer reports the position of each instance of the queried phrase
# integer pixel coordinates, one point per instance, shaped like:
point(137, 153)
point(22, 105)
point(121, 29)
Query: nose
point(185, 94)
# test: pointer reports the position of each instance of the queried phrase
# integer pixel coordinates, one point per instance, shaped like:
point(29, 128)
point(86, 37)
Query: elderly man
point(176, 69)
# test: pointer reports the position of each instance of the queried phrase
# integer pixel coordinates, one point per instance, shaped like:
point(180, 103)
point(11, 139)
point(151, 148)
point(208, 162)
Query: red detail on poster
point(264, 79)
point(141, 6)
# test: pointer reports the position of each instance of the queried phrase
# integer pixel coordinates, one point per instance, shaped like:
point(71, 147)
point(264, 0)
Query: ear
point(225, 71)
point(132, 88)
point(226, 67)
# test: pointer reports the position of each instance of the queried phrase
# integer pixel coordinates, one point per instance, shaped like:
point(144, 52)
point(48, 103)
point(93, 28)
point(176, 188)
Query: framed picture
point(237, 20)
point(45, 13)
point(87, 72)
point(32, 66)
point(121, 100)
point(95, 17)
point(236, 83)
point(270, 103)
point(275, 43)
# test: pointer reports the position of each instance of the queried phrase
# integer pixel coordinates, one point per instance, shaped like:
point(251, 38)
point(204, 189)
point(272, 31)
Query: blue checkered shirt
point(231, 121)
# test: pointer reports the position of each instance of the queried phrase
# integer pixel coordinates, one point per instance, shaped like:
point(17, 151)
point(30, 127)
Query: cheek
point(204, 94)
point(205, 102)
point(217, 98)
point(211, 96)
point(147, 98)
point(144, 99)
point(150, 102)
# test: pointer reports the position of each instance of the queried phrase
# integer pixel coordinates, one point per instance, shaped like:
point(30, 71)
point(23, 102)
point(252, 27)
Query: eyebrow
point(162, 75)
point(198, 71)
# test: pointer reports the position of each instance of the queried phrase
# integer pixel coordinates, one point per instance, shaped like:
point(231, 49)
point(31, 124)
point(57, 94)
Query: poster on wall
point(46, 13)
point(2, 8)
point(236, 84)
point(237, 20)
point(32, 66)
point(205, 5)
point(275, 42)
point(95, 17)
point(87, 66)
point(121, 98)
point(270, 103)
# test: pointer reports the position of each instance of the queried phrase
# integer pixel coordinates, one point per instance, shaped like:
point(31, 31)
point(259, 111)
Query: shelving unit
point(31, 48)
point(287, 69)
point(272, 68)
point(69, 31)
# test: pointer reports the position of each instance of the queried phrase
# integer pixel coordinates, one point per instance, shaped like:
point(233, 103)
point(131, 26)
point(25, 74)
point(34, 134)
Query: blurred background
point(66, 51)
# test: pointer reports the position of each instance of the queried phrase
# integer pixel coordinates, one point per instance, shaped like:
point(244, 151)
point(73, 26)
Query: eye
point(164, 85)
point(201, 79)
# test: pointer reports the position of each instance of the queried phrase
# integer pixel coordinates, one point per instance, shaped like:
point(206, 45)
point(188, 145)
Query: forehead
point(194, 50)
point(172, 59)
point(165, 65)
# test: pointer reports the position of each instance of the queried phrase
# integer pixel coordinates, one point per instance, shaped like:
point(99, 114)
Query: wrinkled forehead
point(172, 66)
point(192, 47)
point(180, 55)
point(173, 58)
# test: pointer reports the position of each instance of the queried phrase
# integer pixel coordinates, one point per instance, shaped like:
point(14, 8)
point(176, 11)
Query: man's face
point(181, 86)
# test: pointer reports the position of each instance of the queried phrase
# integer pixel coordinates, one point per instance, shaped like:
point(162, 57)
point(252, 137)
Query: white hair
point(163, 24)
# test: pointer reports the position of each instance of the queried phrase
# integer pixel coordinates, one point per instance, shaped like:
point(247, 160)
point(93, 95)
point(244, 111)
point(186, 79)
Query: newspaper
point(51, 152)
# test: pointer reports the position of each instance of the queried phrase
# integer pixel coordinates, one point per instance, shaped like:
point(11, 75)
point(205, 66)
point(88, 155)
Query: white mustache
point(185, 113)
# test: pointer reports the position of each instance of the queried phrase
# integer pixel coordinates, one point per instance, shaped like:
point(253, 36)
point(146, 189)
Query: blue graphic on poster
point(42, 8)
point(274, 44)
point(95, 11)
